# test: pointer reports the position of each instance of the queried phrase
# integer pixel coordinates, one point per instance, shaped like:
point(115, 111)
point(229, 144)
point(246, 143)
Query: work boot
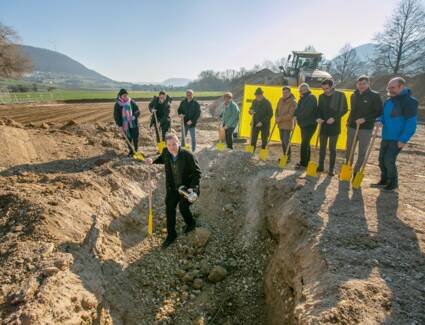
point(189, 228)
point(391, 186)
point(331, 173)
point(168, 241)
point(320, 169)
point(381, 183)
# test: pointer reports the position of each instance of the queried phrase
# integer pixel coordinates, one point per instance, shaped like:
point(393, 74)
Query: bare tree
point(13, 63)
point(401, 46)
point(346, 64)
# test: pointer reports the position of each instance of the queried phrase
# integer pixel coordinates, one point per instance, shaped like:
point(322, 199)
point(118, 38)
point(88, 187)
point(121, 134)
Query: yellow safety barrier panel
point(273, 93)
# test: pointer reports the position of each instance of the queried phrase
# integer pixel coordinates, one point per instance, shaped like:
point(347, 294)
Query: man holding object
point(181, 169)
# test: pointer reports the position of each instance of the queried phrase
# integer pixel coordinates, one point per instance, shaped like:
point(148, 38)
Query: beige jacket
point(285, 112)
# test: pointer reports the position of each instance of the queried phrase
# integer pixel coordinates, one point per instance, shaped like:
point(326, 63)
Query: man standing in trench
point(181, 169)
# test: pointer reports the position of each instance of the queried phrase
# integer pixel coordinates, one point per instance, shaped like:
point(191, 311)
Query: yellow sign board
point(273, 93)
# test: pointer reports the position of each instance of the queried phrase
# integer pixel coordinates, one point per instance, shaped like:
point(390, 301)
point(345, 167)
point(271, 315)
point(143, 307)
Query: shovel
point(160, 145)
point(136, 155)
point(184, 145)
point(357, 181)
point(221, 136)
point(150, 217)
point(283, 160)
point(249, 147)
point(312, 165)
point(265, 152)
point(347, 168)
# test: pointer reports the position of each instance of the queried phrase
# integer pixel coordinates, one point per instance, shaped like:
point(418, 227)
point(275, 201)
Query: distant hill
point(366, 51)
point(176, 82)
point(48, 61)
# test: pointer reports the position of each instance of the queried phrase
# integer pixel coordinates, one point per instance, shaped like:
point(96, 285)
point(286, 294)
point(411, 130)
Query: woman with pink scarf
point(126, 113)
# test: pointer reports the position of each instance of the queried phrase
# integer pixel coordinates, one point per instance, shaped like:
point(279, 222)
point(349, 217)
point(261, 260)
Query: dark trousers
point(133, 137)
point(164, 129)
point(387, 161)
point(285, 136)
point(264, 135)
point(324, 139)
point(229, 137)
point(173, 198)
point(306, 135)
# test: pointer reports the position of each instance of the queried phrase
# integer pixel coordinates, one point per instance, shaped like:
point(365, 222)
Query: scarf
point(127, 115)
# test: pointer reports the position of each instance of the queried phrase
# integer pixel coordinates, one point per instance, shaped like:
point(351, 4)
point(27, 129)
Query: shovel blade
point(346, 173)
point(357, 181)
point(263, 154)
point(249, 148)
point(283, 161)
point(138, 156)
point(186, 146)
point(160, 146)
point(220, 146)
point(312, 169)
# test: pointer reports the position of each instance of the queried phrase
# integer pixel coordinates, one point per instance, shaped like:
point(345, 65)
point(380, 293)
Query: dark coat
point(306, 112)
point(186, 170)
point(162, 112)
point(334, 106)
point(368, 106)
point(263, 111)
point(118, 113)
point(191, 111)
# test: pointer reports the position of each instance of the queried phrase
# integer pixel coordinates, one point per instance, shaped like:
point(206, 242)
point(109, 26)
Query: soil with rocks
point(272, 246)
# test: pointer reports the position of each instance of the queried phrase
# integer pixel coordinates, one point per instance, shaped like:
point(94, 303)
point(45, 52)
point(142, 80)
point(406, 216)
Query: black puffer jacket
point(306, 112)
point(184, 171)
point(334, 106)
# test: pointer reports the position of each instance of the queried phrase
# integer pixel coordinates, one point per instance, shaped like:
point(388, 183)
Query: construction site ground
point(273, 246)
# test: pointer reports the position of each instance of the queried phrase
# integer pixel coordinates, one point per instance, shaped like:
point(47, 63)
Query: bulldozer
point(302, 67)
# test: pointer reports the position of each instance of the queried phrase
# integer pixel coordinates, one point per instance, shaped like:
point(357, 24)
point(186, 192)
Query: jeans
point(284, 138)
point(173, 198)
point(306, 135)
point(387, 161)
point(133, 138)
point(192, 131)
point(229, 137)
point(264, 129)
point(364, 137)
point(324, 139)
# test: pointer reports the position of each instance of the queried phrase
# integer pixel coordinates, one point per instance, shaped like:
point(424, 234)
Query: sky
point(152, 40)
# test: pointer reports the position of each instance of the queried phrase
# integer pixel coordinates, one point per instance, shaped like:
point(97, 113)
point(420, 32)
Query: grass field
point(88, 95)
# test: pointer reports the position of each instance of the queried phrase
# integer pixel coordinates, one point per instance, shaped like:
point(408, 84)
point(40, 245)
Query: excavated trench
point(258, 235)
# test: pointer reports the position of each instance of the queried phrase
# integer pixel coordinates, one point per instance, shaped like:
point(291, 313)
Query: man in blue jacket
point(398, 123)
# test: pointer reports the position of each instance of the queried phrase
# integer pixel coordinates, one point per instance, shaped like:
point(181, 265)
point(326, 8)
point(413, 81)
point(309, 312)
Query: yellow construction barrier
point(273, 93)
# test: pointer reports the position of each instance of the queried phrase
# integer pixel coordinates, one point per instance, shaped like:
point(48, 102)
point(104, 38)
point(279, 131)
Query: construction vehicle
point(302, 67)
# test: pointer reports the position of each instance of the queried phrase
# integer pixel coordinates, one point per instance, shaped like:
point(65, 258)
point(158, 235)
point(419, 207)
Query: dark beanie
point(258, 91)
point(122, 92)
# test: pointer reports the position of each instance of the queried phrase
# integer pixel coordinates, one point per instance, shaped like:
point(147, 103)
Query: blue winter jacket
point(399, 117)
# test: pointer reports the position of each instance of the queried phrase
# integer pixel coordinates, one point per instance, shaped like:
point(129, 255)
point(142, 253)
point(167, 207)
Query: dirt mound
point(273, 247)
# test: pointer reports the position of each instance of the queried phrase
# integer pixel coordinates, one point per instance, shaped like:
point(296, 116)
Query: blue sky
point(131, 40)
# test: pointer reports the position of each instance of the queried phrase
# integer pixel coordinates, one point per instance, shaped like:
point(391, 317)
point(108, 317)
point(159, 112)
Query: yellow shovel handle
point(369, 149)
point(353, 145)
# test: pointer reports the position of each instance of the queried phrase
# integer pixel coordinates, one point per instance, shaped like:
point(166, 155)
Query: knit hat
point(259, 91)
point(122, 92)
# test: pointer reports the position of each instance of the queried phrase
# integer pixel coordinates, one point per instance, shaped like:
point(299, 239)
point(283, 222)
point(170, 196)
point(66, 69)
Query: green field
point(88, 95)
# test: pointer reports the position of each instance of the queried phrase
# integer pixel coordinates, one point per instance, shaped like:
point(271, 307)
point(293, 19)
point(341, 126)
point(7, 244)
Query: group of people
point(397, 117)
